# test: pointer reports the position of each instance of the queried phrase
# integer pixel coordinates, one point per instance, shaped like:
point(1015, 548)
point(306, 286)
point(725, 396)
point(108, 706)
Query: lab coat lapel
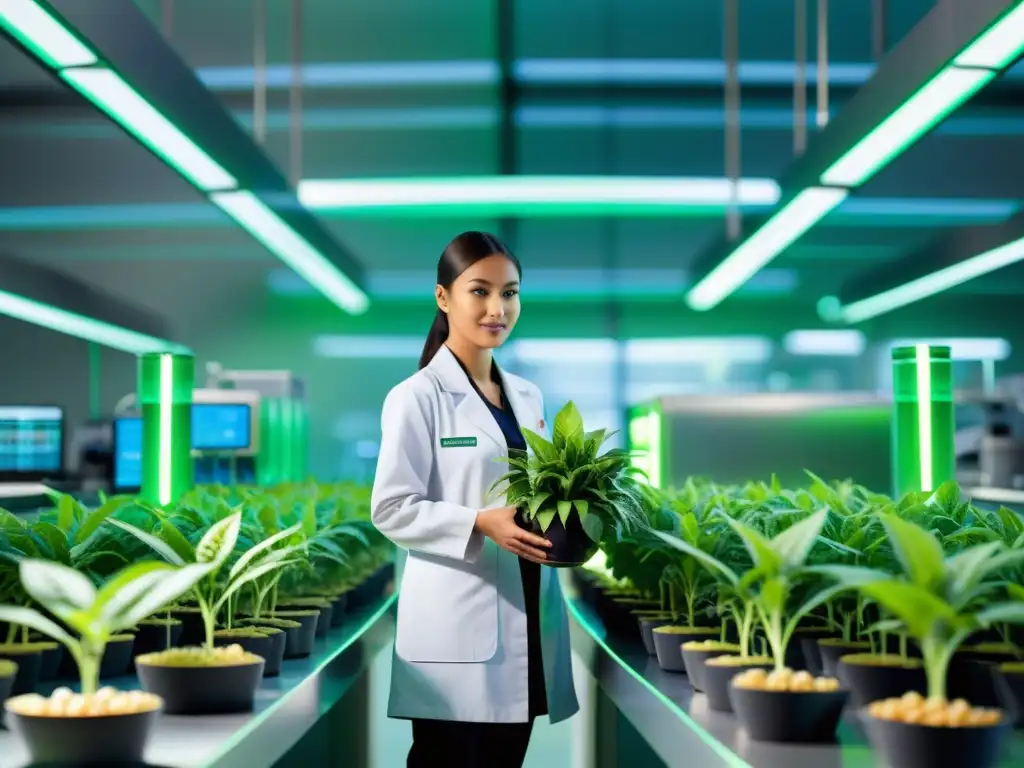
point(468, 404)
point(525, 415)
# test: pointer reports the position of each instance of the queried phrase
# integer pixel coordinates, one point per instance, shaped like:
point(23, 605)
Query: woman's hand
point(499, 525)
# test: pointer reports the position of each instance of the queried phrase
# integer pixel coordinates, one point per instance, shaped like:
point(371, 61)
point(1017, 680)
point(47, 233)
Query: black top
point(530, 571)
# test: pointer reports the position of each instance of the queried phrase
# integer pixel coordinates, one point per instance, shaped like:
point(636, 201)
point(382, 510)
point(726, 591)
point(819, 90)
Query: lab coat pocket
point(448, 611)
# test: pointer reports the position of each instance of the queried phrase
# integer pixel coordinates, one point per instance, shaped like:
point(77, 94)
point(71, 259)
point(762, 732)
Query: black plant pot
point(668, 646)
point(193, 631)
point(202, 690)
point(832, 650)
point(809, 717)
point(324, 623)
point(260, 646)
point(810, 654)
point(29, 662)
point(53, 656)
point(101, 741)
point(718, 680)
point(117, 658)
point(570, 544)
point(6, 683)
point(647, 625)
point(973, 677)
point(920, 746)
point(1013, 689)
point(340, 605)
point(693, 661)
point(299, 642)
point(278, 640)
point(869, 682)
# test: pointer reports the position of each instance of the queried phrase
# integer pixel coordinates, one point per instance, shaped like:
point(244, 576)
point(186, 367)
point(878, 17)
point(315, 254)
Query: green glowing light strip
point(254, 722)
point(924, 414)
point(82, 327)
point(728, 756)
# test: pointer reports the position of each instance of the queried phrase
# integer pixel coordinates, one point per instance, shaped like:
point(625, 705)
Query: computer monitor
point(221, 426)
point(31, 442)
point(127, 454)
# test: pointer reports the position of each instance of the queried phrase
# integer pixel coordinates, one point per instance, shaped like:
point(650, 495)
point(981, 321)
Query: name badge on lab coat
point(458, 442)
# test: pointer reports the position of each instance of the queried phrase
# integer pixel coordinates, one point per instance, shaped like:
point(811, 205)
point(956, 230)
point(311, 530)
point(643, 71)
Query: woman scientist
point(482, 643)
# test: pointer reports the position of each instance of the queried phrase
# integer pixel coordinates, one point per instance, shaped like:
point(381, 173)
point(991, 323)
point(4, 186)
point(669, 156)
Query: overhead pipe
point(295, 97)
point(822, 63)
point(733, 222)
point(878, 28)
point(259, 69)
point(800, 78)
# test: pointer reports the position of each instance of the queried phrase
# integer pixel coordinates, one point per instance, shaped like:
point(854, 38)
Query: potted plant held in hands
point(94, 726)
point(571, 493)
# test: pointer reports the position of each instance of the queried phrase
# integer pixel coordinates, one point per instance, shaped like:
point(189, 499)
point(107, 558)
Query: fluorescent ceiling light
point(42, 34)
point(120, 101)
point(536, 194)
point(998, 46)
point(825, 342)
point(83, 327)
point(944, 93)
point(267, 227)
point(777, 234)
point(960, 348)
point(931, 284)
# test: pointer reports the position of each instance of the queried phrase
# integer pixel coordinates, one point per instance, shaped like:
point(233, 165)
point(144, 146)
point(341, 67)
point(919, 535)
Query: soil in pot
point(299, 644)
point(872, 677)
point(29, 658)
point(107, 728)
point(117, 656)
point(275, 653)
point(834, 648)
point(202, 681)
point(156, 634)
point(570, 544)
point(1012, 673)
point(254, 640)
point(787, 706)
point(719, 672)
point(696, 652)
point(914, 732)
point(292, 632)
point(647, 622)
point(668, 644)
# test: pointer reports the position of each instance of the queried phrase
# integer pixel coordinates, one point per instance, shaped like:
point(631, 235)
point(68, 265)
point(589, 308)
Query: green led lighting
point(914, 118)
point(106, 89)
point(999, 46)
point(43, 35)
point(932, 283)
point(82, 327)
point(265, 225)
point(777, 234)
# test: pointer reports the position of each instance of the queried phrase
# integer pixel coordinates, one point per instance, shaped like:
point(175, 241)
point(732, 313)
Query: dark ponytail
point(462, 253)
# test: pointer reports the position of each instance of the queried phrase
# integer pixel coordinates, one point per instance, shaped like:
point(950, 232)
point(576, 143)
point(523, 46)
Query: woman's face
point(483, 302)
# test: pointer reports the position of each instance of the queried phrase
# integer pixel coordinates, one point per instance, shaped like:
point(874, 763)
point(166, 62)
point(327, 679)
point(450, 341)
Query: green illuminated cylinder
point(165, 398)
point(923, 426)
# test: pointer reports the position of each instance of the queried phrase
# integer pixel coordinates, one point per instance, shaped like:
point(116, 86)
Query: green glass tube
point(165, 398)
point(923, 426)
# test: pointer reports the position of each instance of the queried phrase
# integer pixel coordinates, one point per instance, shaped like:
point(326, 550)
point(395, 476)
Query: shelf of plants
point(185, 635)
point(826, 625)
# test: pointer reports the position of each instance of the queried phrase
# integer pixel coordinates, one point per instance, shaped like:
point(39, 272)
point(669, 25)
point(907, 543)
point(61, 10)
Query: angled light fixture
point(66, 50)
point(832, 169)
point(535, 195)
point(87, 328)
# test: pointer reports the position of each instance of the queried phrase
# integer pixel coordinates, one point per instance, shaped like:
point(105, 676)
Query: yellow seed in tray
point(912, 697)
point(934, 704)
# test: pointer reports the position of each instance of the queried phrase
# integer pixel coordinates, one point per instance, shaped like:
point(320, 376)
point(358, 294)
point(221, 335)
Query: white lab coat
point(460, 645)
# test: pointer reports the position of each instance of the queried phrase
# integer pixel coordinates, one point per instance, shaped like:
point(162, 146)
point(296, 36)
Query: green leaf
point(915, 606)
point(537, 501)
point(154, 543)
point(61, 590)
point(794, 544)
point(968, 567)
point(848, 575)
point(252, 574)
point(541, 448)
point(564, 508)
point(66, 512)
point(582, 508)
point(1001, 613)
point(568, 424)
point(253, 553)
point(31, 618)
point(709, 561)
point(918, 551)
point(545, 517)
point(761, 551)
point(219, 542)
point(155, 592)
point(95, 518)
point(593, 526)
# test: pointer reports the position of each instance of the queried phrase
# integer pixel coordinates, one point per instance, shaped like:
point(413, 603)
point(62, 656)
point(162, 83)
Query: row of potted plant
point(784, 604)
point(204, 598)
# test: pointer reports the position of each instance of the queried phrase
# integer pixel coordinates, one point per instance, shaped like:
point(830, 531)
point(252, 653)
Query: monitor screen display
point(220, 426)
point(128, 452)
point(31, 440)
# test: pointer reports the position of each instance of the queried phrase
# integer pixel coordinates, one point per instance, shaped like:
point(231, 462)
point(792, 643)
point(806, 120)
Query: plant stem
point(12, 632)
point(87, 658)
point(745, 628)
point(209, 621)
point(936, 657)
point(903, 646)
point(691, 597)
point(847, 627)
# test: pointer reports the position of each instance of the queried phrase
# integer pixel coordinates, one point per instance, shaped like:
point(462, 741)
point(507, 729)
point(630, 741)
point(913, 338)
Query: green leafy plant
point(939, 600)
point(569, 475)
point(97, 615)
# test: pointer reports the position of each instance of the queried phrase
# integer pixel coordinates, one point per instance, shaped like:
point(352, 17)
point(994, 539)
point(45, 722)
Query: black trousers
point(437, 743)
